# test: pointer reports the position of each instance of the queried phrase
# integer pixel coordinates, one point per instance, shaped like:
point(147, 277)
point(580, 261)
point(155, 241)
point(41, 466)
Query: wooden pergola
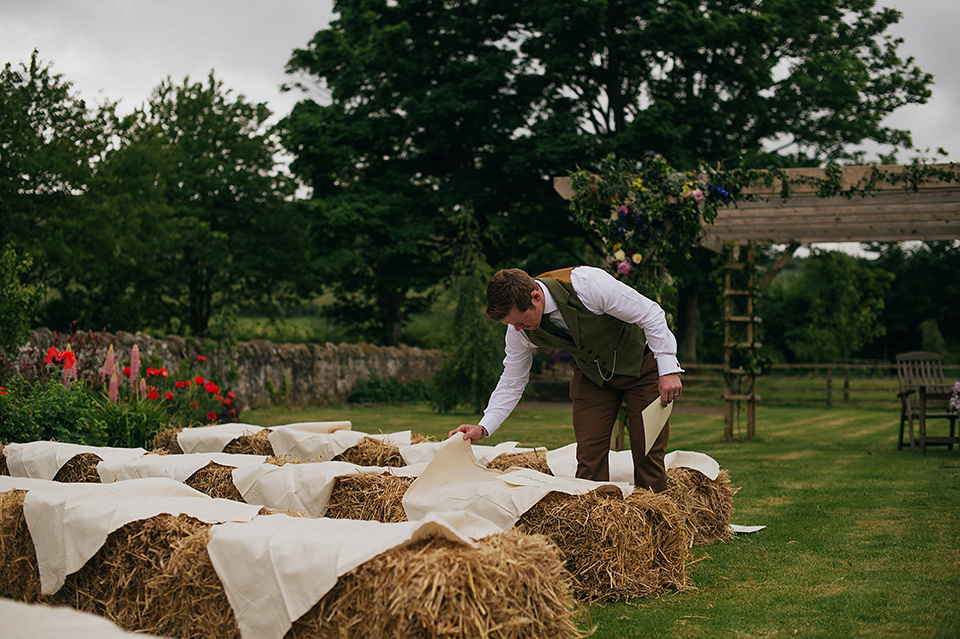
point(890, 212)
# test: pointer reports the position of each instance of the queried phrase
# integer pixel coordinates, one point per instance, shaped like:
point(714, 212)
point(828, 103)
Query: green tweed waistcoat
point(601, 345)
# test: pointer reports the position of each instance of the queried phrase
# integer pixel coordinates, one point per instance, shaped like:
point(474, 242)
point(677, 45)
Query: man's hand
point(471, 432)
point(669, 388)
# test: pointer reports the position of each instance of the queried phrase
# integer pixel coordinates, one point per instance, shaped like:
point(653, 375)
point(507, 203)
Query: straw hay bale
point(372, 452)
point(707, 504)
point(369, 496)
point(81, 468)
point(615, 548)
point(215, 480)
point(155, 576)
point(534, 459)
point(420, 438)
point(18, 559)
point(256, 444)
point(166, 440)
point(512, 585)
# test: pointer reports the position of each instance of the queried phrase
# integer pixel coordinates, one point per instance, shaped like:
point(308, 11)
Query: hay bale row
point(535, 459)
point(215, 480)
point(155, 576)
point(615, 548)
point(256, 444)
point(372, 452)
point(369, 496)
point(18, 558)
point(707, 504)
point(165, 442)
point(80, 469)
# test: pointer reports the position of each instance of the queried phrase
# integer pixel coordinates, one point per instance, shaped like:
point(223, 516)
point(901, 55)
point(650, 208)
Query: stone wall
point(262, 373)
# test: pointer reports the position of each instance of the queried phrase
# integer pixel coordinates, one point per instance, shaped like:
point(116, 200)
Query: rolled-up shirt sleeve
point(602, 293)
point(516, 372)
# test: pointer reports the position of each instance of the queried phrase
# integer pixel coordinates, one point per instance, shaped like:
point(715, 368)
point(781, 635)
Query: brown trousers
point(595, 410)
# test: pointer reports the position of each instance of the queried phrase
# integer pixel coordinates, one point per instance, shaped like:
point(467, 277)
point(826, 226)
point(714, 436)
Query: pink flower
point(623, 267)
point(697, 195)
point(109, 364)
point(134, 367)
point(114, 392)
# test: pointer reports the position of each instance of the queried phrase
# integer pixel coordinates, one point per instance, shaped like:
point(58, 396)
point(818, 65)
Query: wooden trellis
point(890, 213)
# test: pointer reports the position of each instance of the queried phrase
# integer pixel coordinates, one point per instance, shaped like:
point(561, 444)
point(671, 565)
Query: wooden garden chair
point(924, 395)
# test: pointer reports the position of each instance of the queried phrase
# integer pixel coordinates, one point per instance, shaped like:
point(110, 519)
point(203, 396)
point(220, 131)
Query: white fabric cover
point(42, 460)
point(213, 439)
point(306, 444)
point(70, 522)
point(275, 568)
point(455, 481)
point(426, 451)
point(178, 467)
point(563, 463)
point(317, 427)
point(39, 621)
point(301, 488)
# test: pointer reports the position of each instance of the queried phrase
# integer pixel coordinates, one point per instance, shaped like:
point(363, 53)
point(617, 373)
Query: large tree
point(198, 176)
point(428, 105)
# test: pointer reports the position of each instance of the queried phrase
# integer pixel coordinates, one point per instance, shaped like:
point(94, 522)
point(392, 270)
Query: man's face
point(528, 320)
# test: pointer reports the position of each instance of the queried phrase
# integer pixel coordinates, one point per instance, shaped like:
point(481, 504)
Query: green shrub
point(18, 302)
point(132, 423)
point(387, 390)
point(50, 410)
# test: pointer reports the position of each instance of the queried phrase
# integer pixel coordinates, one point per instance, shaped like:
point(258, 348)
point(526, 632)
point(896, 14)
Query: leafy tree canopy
point(476, 103)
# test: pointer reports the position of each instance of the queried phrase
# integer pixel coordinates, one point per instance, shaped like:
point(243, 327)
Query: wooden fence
point(868, 383)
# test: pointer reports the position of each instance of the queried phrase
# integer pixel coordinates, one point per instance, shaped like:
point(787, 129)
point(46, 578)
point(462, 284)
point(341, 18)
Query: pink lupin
point(134, 368)
point(109, 365)
point(114, 393)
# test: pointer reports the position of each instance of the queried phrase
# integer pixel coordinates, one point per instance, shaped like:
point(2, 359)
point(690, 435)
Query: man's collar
point(549, 304)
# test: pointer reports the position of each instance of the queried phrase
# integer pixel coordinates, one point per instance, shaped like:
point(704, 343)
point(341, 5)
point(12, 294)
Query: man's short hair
point(509, 288)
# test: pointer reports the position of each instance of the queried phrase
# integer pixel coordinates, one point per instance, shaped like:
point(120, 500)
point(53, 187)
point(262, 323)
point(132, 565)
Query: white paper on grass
point(274, 569)
point(453, 480)
point(301, 488)
point(213, 439)
point(70, 522)
point(306, 445)
point(178, 467)
point(39, 621)
point(42, 460)
point(745, 529)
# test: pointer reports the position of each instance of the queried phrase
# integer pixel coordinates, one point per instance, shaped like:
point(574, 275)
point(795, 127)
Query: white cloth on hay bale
point(43, 460)
point(305, 444)
point(213, 439)
point(178, 467)
point(426, 451)
point(455, 481)
point(40, 621)
point(69, 523)
point(563, 463)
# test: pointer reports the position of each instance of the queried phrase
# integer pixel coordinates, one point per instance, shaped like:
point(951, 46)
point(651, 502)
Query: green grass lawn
point(862, 540)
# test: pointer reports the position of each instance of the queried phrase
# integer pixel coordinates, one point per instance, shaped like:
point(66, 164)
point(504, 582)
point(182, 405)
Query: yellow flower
point(618, 245)
point(637, 258)
point(687, 190)
point(637, 184)
point(619, 255)
point(614, 216)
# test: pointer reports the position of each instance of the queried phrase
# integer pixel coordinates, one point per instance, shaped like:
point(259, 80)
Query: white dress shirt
point(601, 293)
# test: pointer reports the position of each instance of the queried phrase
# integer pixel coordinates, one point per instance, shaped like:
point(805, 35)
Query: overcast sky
point(121, 49)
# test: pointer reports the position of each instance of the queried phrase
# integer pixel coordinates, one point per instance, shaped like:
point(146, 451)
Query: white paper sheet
point(70, 522)
point(743, 530)
point(563, 463)
point(42, 460)
point(654, 417)
point(38, 621)
point(301, 488)
point(307, 445)
point(275, 568)
point(213, 439)
point(455, 481)
point(178, 467)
